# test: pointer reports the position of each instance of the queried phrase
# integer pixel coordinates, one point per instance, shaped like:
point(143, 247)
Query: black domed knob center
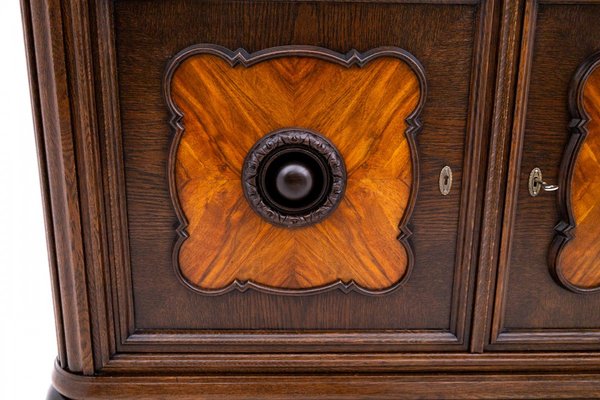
point(294, 181)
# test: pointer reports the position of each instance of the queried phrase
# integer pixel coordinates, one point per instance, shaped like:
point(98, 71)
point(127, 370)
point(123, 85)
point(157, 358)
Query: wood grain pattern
point(64, 226)
point(365, 104)
point(507, 63)
point(530, 311)
point(187, 345)
point(36, 99)
point(440, 36)
point(379, 386)
point(575, 253)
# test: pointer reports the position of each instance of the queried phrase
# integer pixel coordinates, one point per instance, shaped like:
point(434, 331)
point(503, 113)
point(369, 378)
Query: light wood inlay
point(579, 262)
point(361, 110)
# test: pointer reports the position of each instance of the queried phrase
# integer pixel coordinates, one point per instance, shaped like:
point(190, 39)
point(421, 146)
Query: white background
point(27, 334)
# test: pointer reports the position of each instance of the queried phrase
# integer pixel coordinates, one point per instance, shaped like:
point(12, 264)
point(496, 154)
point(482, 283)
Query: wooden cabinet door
point(276, 172)
point(548, 293)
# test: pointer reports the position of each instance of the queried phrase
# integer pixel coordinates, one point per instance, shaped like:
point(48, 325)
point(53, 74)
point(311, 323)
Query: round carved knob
point(294, 181)
point(293, 177)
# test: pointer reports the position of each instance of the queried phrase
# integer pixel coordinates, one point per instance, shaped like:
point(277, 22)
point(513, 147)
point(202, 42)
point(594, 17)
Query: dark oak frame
point(350, 59)
point(74, 89)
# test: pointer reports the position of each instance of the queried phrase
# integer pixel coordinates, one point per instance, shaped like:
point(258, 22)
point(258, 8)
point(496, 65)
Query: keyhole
point(445, 180)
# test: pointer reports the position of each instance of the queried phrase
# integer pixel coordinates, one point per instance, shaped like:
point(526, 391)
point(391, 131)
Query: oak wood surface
point(489, 362)
point(531, 309)
point(36, 101)
point(334, 386)
point(63, 221)
point(63, 34)
point(362, 110)
point(446, 50)
point(505, 78)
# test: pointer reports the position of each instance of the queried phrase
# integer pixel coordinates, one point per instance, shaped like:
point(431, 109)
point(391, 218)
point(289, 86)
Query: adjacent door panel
point(547, 295)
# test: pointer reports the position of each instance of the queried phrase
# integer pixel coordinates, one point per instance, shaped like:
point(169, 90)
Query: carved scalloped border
point(578, 131)
point(242, 57)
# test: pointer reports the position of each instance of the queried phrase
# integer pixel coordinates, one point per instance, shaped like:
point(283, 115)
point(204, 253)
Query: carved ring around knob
point(293, 177)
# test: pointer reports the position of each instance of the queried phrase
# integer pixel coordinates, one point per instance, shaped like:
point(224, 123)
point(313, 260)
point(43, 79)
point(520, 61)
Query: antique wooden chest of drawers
point(321, 199)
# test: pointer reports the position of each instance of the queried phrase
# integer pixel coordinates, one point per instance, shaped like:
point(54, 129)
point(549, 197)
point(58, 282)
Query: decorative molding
point(242, 57)
point(578, 128)
point(316, 144)
point(369, 362)
point(118, 271)
point(346, 385)
point(516, 138)
point(38, 121)
point(61, 132)
point(292, 341)
point(501, 123)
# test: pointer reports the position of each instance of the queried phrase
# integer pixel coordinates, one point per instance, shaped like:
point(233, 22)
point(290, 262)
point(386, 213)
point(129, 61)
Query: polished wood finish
point(360, 102)
point(530, 308)
point(575, 253)
point(311, 386)
point(480, 315)
point(403, 320)
point(508, 61)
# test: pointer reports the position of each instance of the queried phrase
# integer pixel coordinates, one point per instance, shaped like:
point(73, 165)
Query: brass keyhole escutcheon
point(445, 181)
point(536, 183)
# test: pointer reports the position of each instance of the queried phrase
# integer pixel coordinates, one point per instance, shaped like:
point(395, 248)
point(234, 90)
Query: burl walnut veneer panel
point(577, 247)
point(366, 105)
